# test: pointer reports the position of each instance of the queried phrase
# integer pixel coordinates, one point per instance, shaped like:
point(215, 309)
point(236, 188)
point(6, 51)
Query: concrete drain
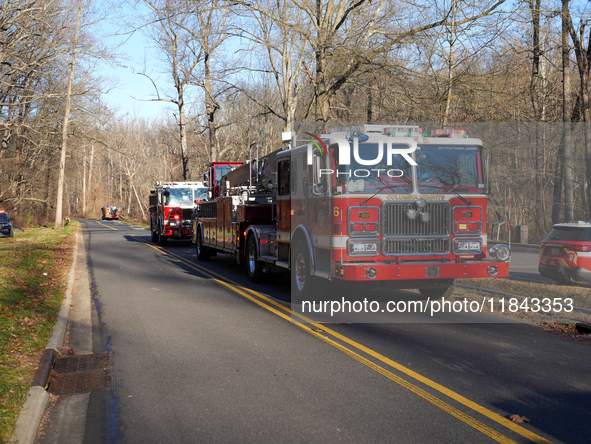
point(81, 374)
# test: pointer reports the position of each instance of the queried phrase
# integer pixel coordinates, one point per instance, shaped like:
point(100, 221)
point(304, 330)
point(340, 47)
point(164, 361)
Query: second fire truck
point(390, 205)
point(171, 206)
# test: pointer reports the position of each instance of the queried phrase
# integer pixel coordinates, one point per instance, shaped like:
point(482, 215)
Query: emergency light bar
point(448, 132)
point(389, 130)
point(345, 129)
point(401, 131)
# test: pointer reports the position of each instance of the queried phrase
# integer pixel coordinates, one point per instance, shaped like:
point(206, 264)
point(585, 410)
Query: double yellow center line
point(332, 337)
point(112, 228)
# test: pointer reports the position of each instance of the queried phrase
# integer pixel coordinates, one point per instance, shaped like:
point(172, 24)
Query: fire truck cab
point(386, 205)
point(110, 213)
point(171, 206)
point(214, 173)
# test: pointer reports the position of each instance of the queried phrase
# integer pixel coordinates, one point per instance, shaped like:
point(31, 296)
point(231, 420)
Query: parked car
point(5, 225)
point(565, 253)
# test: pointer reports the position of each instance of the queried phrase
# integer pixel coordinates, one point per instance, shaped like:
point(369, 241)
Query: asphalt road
point(524, 264)
point(200, 359)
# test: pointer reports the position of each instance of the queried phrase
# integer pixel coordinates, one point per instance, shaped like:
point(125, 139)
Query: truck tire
point(154, 234)
point(446, 290)
point(254, 268)
point(161, 237)
point(302, 281)
point(202, 252)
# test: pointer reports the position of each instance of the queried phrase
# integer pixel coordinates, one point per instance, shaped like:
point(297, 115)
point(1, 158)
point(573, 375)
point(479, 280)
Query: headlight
point(363, 248)
point(371, 273)
point(500, 252)
point(467, 246)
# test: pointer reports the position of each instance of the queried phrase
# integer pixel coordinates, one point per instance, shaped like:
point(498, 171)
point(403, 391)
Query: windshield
point(379, 177)
point(186, 196)
point(222, 170)
point(3, 216)
point(448, 168)
point(201, 193)
point(180, 196)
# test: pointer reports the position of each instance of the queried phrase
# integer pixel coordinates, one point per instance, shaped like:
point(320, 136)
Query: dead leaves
point(27, 322)
point(518, 419)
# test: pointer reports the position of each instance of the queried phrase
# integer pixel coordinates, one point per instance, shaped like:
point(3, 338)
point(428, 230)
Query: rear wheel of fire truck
point(254, 268)
point(301, 278)
point(445, 290)
point(161, 238)
point(202, 252)
point(154, 233)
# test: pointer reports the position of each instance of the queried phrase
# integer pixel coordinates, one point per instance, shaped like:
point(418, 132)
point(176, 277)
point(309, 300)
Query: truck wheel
point(301, 277)
point(154, 234)
point(161, 238)
point(446, 290)
point(254, 268)
point(202, 253)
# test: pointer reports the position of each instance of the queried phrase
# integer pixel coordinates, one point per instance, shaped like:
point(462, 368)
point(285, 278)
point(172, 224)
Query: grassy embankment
point(139, 224)
point(581, 297)
point(33, 277)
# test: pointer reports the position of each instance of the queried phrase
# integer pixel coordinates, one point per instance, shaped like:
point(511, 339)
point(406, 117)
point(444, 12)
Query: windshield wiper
point(462, 198)
point(385, 187)
point(377, 191)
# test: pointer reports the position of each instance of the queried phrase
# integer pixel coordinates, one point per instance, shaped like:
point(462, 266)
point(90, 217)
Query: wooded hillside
point(240, 72)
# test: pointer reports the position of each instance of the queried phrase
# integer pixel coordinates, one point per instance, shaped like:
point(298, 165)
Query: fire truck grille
point(410, 246)
point(187, 213)
point(397, 223)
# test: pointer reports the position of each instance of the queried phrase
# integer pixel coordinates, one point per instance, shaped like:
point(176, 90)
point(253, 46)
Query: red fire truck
point(383, 204)
point(171, 206)
point(110, 213)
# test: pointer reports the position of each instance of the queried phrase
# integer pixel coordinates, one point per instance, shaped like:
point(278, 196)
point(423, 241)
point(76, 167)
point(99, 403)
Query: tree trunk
point(450, 77)
point(90, 169)
point(183, 132)
point(557, 193)
point(320, 89)
point(566, 155)
point(62, 173)
point(84, 185)
point(211, 109)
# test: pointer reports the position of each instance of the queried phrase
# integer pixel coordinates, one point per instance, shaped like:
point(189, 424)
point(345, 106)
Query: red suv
point(565, 253)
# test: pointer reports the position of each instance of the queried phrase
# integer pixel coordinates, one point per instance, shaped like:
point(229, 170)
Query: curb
point(30, 418)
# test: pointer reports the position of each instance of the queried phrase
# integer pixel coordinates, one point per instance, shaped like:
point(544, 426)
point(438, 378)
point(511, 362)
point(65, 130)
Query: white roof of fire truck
point(404, 131)
point(403, 134)
point(180, 184)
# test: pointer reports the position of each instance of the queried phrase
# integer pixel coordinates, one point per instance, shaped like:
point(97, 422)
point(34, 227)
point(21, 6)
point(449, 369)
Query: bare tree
point(566, 110)
point(283, 46)
point(60, 185)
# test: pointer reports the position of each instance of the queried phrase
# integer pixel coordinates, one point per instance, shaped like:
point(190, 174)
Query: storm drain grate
point(81, 374)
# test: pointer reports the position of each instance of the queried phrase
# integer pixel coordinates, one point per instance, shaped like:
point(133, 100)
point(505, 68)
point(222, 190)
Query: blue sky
point(133, 86)
point(137, 54)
